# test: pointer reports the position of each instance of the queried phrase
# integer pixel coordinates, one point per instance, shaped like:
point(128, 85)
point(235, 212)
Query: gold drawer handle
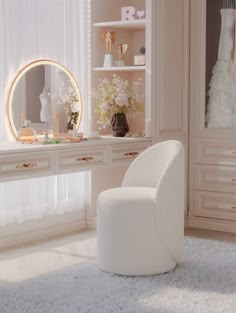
point(233, 180)
point(234, 152)
point(233, 207)
point(131, 154)
point(85, 159)
point(26, 165)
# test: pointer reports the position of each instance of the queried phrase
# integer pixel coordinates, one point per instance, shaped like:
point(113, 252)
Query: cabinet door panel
point(204, 42)
point(23, 165)
point(171, 109)
point(215, 178)
point(215, 152)
point(172, 68)
point(123, 154)
point(220, 206)
point(71, 160)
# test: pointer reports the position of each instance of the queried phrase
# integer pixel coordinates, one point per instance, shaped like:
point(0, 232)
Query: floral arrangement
point(116, 96)
point(69, 98)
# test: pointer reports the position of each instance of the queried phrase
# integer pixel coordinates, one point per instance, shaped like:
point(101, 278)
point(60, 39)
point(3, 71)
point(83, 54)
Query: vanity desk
point(22, 161)
point(55, 107)
point(44, 108)
point(107, 159)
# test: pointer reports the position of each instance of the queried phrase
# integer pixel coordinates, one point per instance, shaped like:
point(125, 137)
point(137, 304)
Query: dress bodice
point(45, 113)
point(226, 44)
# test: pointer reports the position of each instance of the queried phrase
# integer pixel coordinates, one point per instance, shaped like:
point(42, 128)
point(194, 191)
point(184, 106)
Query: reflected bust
point(45, 95)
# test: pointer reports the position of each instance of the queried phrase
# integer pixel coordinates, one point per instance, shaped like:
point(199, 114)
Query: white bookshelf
point(106, 16)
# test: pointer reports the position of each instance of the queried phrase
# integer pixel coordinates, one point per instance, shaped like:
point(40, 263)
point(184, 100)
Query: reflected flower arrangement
point(69, 98)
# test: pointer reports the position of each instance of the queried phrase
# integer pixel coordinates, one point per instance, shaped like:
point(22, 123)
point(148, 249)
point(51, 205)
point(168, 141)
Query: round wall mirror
point(46, 96)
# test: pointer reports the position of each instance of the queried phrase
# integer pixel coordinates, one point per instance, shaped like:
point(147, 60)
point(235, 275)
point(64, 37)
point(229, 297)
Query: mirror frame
point(20, 74)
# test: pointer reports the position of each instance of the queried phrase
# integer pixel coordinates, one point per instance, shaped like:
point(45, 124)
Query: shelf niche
point(105, 17)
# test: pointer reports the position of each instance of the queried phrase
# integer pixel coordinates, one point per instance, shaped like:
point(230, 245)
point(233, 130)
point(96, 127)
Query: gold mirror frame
point(20, 74)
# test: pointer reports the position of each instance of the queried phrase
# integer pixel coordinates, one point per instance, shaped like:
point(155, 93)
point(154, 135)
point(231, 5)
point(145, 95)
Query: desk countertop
point(9, 147)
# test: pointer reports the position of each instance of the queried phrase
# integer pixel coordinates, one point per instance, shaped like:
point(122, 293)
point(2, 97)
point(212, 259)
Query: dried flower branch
point(68, 97)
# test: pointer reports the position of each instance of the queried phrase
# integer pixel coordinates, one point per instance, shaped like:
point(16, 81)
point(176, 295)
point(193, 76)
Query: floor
point(43, 257)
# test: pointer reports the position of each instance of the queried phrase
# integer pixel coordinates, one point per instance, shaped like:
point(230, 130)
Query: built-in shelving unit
point(136, 33)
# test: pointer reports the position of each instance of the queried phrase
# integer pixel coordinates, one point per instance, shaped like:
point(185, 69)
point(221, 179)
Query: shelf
point(125, 25)
point(121, 68)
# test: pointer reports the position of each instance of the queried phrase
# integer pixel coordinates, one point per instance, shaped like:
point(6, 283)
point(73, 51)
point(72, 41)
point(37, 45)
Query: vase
point(119, 125)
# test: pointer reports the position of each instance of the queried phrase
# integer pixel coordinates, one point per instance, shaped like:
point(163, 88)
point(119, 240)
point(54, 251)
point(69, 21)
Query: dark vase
point(119, 125)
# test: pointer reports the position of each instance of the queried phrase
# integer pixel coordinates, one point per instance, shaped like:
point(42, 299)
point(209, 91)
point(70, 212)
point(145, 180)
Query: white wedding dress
point(222, 95)
point(46, 110)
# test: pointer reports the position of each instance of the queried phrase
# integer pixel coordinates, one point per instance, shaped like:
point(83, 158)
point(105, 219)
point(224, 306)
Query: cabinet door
point(170, 73)
point(170, 69)
point(205, 30)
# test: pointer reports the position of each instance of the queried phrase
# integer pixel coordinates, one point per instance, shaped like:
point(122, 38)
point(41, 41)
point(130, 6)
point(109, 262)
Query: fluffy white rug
point(204, 283)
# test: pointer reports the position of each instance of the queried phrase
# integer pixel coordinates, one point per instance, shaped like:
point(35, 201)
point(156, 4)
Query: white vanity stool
point(141, 225)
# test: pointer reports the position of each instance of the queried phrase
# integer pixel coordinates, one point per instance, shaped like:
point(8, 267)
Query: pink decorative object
point(140, 14)
point(139, 60)
point(127, 13)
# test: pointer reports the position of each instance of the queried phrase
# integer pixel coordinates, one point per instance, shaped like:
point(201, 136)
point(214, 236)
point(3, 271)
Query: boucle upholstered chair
point(140, 226)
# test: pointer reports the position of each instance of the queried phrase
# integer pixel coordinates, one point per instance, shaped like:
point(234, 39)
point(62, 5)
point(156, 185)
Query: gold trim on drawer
point(131, 154)
point(26, 165)
point(85, 159)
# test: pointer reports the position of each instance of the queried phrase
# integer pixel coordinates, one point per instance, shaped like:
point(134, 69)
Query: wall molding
point(210, 224)
point(17, 240)
point(191, 222)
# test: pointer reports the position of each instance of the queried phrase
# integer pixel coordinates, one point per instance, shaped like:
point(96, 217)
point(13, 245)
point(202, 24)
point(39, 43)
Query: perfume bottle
point(55, 123)
point(74, 132)
point(27, 134)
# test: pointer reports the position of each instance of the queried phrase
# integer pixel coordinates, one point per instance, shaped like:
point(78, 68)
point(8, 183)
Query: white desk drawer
point(127, 152)
point(25, 163)
point(215, 178)
point(215, 205)
point(81, 159)
point(215, 152)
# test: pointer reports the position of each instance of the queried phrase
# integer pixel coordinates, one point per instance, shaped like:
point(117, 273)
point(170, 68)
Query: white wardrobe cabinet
point(212, 158)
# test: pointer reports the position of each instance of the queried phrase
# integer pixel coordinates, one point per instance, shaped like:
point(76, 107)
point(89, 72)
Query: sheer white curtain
point(29, 30)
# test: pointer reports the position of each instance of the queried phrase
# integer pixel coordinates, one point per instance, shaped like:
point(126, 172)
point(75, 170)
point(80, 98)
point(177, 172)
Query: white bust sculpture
point(46, 111)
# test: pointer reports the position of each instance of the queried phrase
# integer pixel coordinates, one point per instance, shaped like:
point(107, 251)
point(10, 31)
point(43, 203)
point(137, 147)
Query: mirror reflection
point(45, 97)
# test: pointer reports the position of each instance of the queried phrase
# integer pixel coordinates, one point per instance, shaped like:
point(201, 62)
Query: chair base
point(132, 274)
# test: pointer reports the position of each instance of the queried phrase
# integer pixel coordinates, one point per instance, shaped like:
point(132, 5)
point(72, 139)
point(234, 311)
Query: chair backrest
point(148, 168)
